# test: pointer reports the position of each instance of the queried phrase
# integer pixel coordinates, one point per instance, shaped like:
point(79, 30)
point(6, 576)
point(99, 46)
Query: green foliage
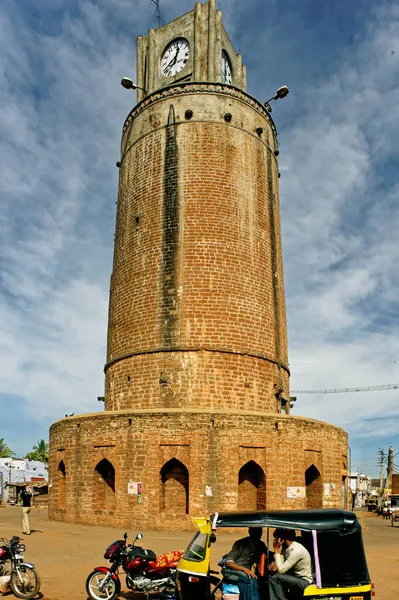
point(5, 451)
point(39, 452)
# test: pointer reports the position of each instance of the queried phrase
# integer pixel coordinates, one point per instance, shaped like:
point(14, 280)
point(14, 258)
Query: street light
point(281, 93)
point(128, 84)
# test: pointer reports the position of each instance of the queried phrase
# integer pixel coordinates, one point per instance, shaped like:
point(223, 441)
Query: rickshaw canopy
point(327, 519)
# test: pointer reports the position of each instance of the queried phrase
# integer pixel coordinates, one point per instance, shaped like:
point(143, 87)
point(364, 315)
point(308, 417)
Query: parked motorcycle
point(145, 572)
point(23, 579)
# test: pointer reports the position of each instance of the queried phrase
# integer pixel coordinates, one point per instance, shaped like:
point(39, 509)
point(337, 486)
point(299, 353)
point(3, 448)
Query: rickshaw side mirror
point(212, 538)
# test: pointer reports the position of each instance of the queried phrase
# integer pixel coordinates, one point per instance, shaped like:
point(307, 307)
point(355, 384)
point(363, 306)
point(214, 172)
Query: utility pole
point(389, 468)
point(381, 463)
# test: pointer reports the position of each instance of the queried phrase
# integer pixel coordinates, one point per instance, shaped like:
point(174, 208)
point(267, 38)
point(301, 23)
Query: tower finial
point(157, 4)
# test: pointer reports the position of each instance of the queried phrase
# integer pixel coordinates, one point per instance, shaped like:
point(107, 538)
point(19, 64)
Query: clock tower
point(194, 47)
point(197, 407)
point(197, 298)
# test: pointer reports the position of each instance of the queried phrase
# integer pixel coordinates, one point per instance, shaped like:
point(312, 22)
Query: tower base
point(156, 469)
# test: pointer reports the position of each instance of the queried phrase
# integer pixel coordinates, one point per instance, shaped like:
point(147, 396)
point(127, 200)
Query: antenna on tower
point(157, 4)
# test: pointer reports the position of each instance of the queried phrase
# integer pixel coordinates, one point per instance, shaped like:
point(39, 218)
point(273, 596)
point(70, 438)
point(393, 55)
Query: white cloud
point(60, 141)
point(62, 113)
point(340, 221)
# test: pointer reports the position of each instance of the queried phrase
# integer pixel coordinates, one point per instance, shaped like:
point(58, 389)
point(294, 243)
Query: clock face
point(227, 75)
point(175, 57)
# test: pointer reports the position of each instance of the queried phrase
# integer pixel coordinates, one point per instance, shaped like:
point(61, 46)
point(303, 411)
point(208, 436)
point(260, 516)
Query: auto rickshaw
point(394, 509)
point(332, 536)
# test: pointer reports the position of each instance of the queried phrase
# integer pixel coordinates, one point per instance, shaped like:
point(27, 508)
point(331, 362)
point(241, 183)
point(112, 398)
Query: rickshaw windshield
point(196, 550)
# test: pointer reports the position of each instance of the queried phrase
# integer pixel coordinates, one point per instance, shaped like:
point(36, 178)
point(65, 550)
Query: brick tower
point(196, 392)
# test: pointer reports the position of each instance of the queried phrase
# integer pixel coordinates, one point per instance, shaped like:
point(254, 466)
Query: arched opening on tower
point(314, 488)
point(174, 487)
point(104, 485)
point(251, 487)
point(61, 488)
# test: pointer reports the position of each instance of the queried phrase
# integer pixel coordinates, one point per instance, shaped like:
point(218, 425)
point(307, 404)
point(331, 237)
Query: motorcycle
point(22, 577)
point(145, 572)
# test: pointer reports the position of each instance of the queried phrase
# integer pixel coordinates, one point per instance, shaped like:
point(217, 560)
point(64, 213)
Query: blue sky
point(61, 62)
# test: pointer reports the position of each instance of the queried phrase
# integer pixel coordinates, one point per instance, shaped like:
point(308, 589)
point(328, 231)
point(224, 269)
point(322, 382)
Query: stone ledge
point(190, 87)
point(173, 412)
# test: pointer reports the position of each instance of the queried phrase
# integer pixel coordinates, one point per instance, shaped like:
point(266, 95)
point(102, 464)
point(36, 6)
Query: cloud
point(62, 112)
point(60, 141)
point(340, 218)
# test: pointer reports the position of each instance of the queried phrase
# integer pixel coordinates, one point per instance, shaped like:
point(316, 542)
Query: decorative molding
point(190, 87)
point(264, 357)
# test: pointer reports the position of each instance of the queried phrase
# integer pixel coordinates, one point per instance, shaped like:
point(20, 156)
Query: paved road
point(381, 542)
point(65, 553)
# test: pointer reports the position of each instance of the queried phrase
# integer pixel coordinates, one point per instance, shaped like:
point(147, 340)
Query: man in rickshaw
point(242, 563)
point(292, 566)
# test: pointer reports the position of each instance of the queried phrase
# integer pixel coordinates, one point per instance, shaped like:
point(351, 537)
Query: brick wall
point(197, 265)
point(246, 460)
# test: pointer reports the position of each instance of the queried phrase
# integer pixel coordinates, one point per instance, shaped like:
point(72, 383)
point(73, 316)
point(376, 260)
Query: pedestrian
point(292, 569)
point(26, 498)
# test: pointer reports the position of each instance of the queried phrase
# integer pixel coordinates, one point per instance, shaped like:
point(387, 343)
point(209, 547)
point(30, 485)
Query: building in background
point(360, 486)
point(197, 405)
point(15, 472)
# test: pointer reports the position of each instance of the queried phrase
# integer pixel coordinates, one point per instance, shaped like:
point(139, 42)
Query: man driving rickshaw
point(332, 537)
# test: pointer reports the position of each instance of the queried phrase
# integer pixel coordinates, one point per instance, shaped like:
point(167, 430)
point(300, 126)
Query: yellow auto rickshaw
point(332, 536)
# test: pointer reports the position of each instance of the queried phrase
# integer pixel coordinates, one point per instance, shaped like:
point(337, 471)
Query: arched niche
point(174, 487)
point(104, 485)
point(61, 484)
point(314, 488)
point(251, 487)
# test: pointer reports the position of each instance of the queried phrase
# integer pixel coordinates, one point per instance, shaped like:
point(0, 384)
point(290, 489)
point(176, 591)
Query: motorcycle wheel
point(108, 592)
point(24, 582)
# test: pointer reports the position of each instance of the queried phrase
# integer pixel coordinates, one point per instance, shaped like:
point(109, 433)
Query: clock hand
point(172, 62)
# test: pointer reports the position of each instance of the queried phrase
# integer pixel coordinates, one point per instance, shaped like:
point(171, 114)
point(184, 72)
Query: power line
point(370, 388)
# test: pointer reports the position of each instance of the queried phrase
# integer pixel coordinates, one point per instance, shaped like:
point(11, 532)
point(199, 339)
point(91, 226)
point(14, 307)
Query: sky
point(62, 110)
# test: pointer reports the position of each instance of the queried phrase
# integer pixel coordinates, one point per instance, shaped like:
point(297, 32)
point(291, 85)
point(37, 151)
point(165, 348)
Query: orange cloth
point(164, 560)
point(262, 564)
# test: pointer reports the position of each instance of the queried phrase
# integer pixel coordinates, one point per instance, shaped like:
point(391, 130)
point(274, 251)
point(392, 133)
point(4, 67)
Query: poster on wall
point(132, 487)
point(208, 490)
point(296, 492)
point(329, 490)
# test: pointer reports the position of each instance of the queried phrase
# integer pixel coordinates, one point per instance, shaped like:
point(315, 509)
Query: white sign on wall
point(132, 487)
point(296, 492)
point(329, 490)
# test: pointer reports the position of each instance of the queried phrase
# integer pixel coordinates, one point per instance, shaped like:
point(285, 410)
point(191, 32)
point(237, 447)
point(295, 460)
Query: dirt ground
point(65, 554)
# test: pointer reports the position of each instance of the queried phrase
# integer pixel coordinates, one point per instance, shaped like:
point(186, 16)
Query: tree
point(39, 452)
point(5, 451)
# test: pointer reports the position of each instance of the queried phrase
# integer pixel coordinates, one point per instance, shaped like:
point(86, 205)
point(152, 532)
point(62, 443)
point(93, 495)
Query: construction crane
point(370, 388)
